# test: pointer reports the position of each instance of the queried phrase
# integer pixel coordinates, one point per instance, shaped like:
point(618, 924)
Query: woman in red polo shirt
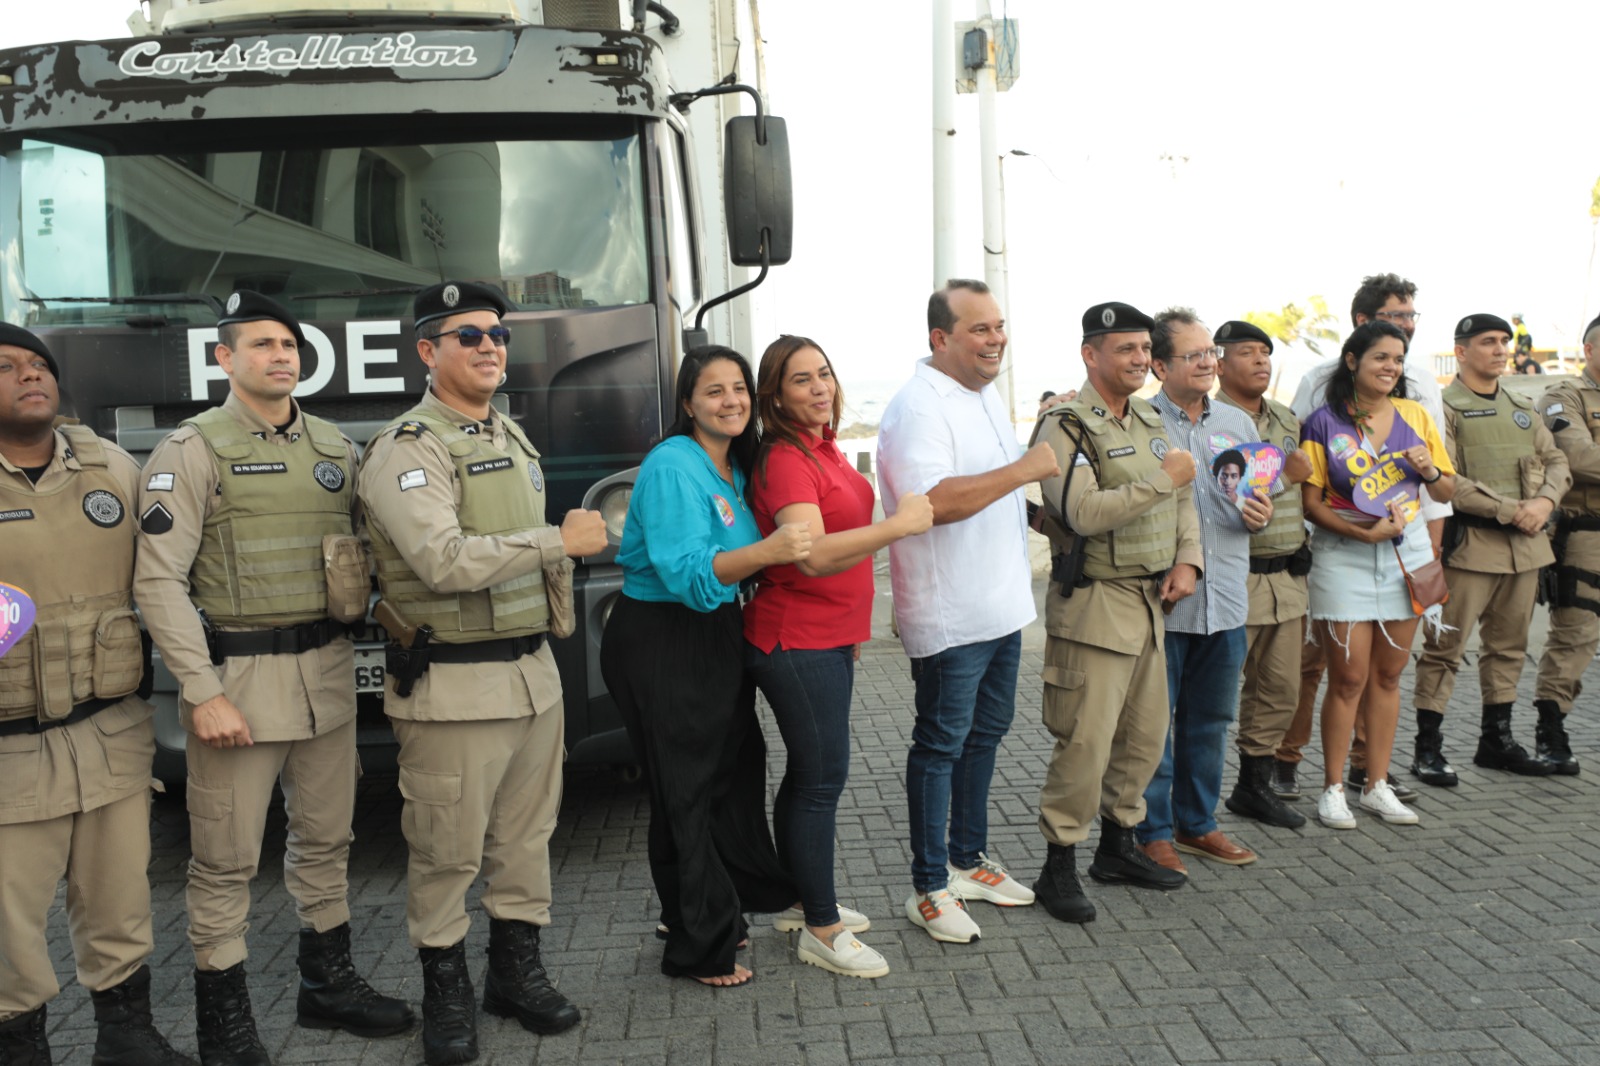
point(805, 627)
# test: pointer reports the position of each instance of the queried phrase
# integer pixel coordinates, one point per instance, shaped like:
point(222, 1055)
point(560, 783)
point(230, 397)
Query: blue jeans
point(810, 696)
point(1203, 691)
point(966, 697)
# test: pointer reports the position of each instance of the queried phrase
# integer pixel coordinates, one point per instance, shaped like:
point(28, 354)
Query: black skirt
point(678, 678)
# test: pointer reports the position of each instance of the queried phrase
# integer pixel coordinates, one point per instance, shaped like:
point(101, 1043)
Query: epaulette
point(409, 429)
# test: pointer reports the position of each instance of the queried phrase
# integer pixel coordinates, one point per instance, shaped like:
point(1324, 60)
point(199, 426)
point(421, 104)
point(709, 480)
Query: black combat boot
point(127, 1034)
point(334, 996)
point(1058, 887)
point(449, 1015)
point(1428, 764)
point(1284, 786)
point(1550, 738)
point(1499, 750)
point(223, 1022)
point(1119, 861)
point(23, 1041)
point(517, 985)
point(1253, 796)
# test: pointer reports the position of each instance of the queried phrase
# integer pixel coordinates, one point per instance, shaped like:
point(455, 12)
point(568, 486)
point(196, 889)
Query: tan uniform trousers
point(1109, 714)
point(479, 795)
point(1503, 604)
point(230, 791)
point(1569, 648)
point(1269, 697)
point(104, 855)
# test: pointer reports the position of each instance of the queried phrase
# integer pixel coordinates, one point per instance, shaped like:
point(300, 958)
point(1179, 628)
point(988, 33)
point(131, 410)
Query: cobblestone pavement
point(1471, 938)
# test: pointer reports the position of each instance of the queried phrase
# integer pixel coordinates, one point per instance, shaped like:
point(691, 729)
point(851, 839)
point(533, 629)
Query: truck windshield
point(337, 232)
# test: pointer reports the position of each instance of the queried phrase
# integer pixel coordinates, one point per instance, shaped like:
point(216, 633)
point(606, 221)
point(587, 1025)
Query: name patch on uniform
point(260, 468)
point(21, 514)
point(328, 475)
point(103, 509)
point(159, 483)
point(484, 466)
point(156, 519)
point(1484, 412)
point(413, 479)
point(1118, 453)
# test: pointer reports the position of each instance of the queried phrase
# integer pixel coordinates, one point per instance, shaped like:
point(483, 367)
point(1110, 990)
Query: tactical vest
point(70, 548)
point(1491, 436)
point(260, 561)
point(1287, 531)
point(501, 493)
point(1121, 456)
point(1584, 497)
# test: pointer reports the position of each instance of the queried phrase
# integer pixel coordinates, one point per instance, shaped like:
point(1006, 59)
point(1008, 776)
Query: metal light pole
point(994, 210)
point(944, 144)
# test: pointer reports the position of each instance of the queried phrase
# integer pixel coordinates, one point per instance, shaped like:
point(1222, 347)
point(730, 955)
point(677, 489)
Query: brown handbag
point(1426, 584)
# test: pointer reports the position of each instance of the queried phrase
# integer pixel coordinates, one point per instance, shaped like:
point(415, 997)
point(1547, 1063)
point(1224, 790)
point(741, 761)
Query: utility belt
point(1558, 584)
point(407, 664)
point(1297, 563)
point(80, 711)
point(1084, 580)
point(1478, 521)
point(283, 640)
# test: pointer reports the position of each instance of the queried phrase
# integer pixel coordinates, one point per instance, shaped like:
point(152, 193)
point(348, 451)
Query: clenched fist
point(1179, 466)
point(583, 533)
point(914, 514)
point(1296, 467)
point(1040, 463)
point(789, 543)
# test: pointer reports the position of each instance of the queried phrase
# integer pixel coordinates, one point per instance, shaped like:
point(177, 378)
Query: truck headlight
point(613, 507)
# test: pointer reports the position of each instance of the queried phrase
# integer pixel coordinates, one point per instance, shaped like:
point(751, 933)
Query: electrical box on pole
point(972, 54)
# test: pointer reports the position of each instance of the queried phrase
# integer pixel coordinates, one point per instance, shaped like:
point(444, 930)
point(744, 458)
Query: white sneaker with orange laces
point(989, 882)
point(943, 915)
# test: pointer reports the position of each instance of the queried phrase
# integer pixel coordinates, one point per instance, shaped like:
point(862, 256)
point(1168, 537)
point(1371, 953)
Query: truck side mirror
point(757, 191)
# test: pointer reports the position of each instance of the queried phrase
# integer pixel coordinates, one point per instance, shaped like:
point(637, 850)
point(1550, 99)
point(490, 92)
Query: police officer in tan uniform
point(76, 740)
point(1572, 413)
point(454, 497)
point(244, 510)
point(1509, 477)
point(1136, 551)
point(1279, 562)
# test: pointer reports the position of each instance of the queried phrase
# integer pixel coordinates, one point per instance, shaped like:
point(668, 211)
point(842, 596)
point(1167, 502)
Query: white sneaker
point(795, 918)
point(989, 882)
point(846, 955)
point(943, 916)
point(1333, 811)
point(1381, 800)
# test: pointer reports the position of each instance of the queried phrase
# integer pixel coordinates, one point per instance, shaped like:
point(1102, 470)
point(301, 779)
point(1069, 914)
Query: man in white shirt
point(1393, 299)
point(962, 593)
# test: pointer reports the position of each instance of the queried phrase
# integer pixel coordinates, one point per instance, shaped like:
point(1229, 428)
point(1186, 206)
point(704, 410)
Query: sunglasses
point(472, 336)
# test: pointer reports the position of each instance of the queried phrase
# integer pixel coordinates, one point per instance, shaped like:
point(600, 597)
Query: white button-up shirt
point(968, 581)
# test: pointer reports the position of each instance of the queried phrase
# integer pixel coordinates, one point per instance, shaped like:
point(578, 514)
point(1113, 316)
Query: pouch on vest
point(558, 594)
point(19, 679)
point(1531, 468)
point(52, 664)
point(349, 577)
point(118, 655)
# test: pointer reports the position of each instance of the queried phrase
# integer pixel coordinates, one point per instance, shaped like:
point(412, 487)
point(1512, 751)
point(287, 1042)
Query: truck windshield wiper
point(155, 298)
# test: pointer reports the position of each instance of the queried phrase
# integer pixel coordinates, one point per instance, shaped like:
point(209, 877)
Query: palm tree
point(1309, 325)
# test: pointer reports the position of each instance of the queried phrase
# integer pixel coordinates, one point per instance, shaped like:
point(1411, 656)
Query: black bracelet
point(1437, 474)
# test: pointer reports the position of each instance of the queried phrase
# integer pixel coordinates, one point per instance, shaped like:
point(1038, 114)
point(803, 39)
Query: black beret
point(246, 305)
point(1473, 325)
point(458, 297)
point(1591, 325)
point(1234, 332)
point(1115, 318)
point(18, 337)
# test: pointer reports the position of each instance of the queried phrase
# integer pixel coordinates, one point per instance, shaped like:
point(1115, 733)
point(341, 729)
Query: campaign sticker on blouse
point(724, 511)
point(16, 616)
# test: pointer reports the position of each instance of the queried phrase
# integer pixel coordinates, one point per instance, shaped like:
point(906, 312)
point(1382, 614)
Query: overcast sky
point(1229, 156)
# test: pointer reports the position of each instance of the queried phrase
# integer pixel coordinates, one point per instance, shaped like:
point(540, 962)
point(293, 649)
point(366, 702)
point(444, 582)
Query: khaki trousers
point(1568, 650)
point(1269, 699)
point(1109, 714)
point(483, 796)
point(230, 791)
point(1503, 604)
point(104, 855)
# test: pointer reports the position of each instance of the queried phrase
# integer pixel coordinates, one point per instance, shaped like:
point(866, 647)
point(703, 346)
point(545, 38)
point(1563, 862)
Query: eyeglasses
point(472, 336)
point(1194, 357)
point(1400, 316)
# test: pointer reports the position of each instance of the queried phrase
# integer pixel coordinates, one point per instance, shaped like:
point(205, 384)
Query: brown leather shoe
point(1161, 853)
point(1216, 845)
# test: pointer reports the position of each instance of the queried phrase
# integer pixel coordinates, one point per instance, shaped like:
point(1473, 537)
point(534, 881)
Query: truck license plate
point(369, 669)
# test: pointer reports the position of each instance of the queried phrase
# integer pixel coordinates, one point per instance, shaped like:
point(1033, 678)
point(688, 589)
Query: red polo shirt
point(790, 608)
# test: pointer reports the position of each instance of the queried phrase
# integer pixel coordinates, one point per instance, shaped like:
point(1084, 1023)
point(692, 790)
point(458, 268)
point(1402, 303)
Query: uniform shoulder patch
point(413, 479)
point(155, 520)
point(409, 429)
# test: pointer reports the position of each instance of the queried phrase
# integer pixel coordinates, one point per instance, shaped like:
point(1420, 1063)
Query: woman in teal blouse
point(673, 659)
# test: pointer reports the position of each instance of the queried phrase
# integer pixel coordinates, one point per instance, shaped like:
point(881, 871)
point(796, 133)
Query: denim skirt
point(1352, 581)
